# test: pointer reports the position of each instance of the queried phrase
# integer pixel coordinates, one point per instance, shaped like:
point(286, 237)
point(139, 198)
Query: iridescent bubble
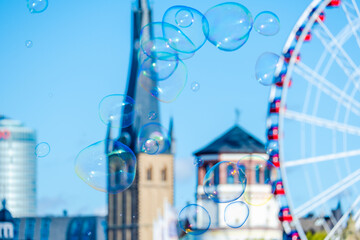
point(152, 115)
point(184, 18)
point(150, 146)
point(236, 214)
point(267, 23)
point(194, 219)
point(234, 176)
point(158, 70)
point(155, 44)
point(156, 136)
point(28, 43)
point(195, 86)
point(117, 108)
point(190, 23)
point(229, 25)
point(42, 149)
point(264, 173)
point(266, 68)
point(37, 6)
point(272, 146)
point(198, 161)
point(106, 161)
point(169, 89)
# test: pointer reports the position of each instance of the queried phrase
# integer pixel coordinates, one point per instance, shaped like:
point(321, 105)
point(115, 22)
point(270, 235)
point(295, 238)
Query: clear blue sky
point(80, 54)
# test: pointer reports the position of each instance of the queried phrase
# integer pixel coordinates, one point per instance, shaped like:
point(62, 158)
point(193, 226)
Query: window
point(267, 177)
point(163, 175)
point(257, 174)
point(243, 169)
point(45, 227)
point(29, 228)
point(148, 174)
point(16, 229)
point(230, 176)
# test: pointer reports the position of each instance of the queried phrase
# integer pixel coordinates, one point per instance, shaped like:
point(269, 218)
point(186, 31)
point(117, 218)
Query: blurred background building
point(18, 167)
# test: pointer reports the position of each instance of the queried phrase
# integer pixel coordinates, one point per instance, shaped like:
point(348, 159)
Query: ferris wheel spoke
point(328, 194)
point(322, 158)
point(357, 214)
point(351, 11)
point(321, 122)
point(342, 219)
point(327, 87)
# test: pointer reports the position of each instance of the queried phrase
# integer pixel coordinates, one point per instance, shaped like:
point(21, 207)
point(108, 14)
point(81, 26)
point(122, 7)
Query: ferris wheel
point(313, 123)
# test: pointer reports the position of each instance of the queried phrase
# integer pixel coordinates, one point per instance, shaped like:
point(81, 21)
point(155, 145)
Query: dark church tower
point(131, 213)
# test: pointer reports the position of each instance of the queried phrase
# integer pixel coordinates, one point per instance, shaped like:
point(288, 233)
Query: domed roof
point(5, 215)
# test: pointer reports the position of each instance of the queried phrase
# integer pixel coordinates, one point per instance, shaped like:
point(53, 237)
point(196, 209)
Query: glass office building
point(17, 167)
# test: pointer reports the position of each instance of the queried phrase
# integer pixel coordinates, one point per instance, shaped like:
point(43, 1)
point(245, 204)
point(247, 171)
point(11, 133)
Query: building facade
point(18, 167)
point(131, 213)
point(262, 222)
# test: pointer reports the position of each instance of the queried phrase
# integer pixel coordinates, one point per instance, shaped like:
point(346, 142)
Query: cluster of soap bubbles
point(182, 32)
point(195, 219)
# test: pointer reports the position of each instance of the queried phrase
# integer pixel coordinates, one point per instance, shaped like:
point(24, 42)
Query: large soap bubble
point(169, 89)
point(234, 176)
point(267, 66)
point(267, 23)
point(37, 6)
point(155, 44)
point(229, 25)
point(153, 138)
point(106, 161)
point(194, 219)
point(117, 108)
point(157, 69)
point(190, 23)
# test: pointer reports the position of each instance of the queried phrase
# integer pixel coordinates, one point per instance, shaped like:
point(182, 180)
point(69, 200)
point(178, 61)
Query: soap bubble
point(267, 66)
point(195, 86)
point(167, 90)
point(229, 25)
point(42, 149)
point(154, 136)
point(198, 161)
point(158, 70)
point(37, 6)
point(236, 214)
point(272, 146)
point(117, 108)
point(152, 115)
point(264, 173)
point(194, 219)
point(267, 23)
point(234, 176)
point(190, 23)
point(155, 44)
point(28, 43)
point(105, 161)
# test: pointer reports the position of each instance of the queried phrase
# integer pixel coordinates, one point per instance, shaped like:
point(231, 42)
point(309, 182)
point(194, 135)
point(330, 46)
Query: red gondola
point(299, 32)
point(273, 133)
point(334, 3)
point(294, 235)
point(274, 159)
point(279, 80)
point(288, 54)
point(275, 105)
point(278, 188)
point(284, 215)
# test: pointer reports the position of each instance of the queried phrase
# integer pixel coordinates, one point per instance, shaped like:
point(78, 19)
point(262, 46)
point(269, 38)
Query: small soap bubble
point(198, 161)
point(37, 6)
point(236, 214)
point(152, 115)
point(267, 23)
point(42, 149)
point(194, 219)
point(195, 86)
point(184, 18)
point(234, 176)
point(153, 138)
point(28, 43)
point(267, 66)
point(150, 146)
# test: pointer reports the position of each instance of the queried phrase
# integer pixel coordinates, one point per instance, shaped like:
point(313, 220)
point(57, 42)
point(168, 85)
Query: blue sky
point(81, 53)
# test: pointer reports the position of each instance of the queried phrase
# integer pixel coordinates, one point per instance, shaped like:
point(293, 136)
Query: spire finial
point(237, 116)
point(3, 203)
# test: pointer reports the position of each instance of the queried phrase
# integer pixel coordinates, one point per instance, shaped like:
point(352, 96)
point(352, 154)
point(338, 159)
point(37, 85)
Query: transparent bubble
point(267, 23)
point(184, 18)
point(167, 90)
point(117, 108)
point(42, 149)
point(229, 25)
point(155, 44)
point(156, 136)
point(267, 66)
point(190, 36)
point(152, 115)
point(236, 214)
point(37, 6)
point(194, 219)
point(150, 146)
point(234, 176)
point(198, 161)
point(158, 70)
point(272, 147)
point(96, 166)
point(28, 43)
point(195, 86)
point(264, 173)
